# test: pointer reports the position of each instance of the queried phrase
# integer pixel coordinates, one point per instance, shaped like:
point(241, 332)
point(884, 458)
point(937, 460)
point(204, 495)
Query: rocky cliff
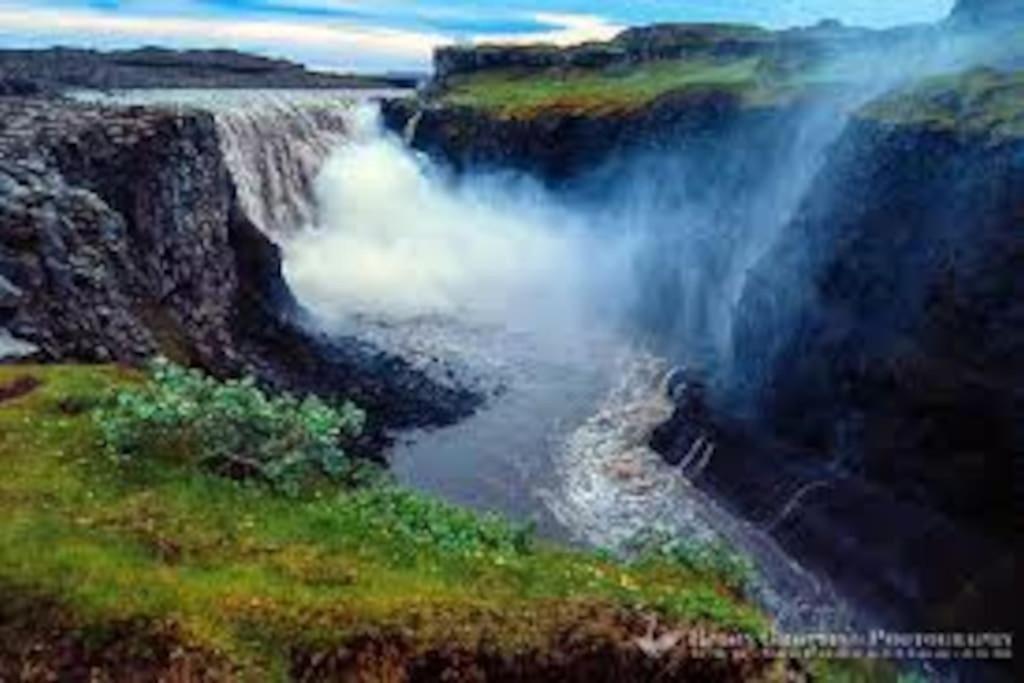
point(885, 325)
point(558, 145)
point(882, 338)
point(121, 237)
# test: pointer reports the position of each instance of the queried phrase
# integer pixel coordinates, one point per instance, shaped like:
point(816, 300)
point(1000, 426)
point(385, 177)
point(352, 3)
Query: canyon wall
point(121, 237)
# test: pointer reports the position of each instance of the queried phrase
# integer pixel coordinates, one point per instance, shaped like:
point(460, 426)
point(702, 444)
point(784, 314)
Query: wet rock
point(886, 325)
point(10, 296)
point(686, 437)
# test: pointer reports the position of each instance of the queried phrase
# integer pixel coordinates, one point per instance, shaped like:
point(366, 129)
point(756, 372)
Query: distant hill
point(59, 68)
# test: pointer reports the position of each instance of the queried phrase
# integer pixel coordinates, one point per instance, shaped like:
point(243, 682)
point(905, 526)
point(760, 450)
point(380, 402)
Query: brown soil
point(38, 643)
point(598, 650)
point(18, 387)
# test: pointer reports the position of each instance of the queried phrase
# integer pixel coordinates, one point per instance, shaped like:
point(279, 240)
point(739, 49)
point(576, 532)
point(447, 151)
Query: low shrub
point(232, 427)
point(713, 558)
point(420, 520)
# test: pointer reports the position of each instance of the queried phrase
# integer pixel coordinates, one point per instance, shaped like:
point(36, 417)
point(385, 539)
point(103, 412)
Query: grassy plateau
point(511, 93)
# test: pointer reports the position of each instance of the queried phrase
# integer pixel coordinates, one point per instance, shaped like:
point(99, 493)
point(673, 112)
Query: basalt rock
point(887, 323)
point(559, 145)
point(881, 341)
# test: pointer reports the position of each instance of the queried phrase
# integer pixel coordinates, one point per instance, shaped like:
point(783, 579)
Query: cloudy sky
point(374, 35)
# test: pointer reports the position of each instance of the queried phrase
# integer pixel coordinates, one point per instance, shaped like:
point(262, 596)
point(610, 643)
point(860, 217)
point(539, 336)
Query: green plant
point(418, 520)
point(714, 558)
point(231, 427)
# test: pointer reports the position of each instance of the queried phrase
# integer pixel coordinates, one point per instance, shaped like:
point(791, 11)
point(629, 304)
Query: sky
point(400, 35)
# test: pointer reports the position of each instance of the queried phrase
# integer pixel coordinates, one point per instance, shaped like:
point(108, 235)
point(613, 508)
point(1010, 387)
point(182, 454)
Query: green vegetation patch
point(522, 93)
point(979, 102)
point(234, 568)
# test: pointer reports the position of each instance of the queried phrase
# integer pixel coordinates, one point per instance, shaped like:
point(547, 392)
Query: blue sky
point(373, 35)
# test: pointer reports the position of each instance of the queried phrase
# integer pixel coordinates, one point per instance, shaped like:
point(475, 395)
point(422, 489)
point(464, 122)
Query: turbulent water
point(493, 283)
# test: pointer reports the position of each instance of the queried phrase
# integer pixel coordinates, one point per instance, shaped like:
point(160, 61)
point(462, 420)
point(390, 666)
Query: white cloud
point(567, 29)
point(351, 44)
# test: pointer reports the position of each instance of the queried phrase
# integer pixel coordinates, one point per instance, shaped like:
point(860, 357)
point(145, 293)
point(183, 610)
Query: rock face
point(121, 237)
point(556, 146)
point(23, 72)
point(887, 324)
point(879, 345)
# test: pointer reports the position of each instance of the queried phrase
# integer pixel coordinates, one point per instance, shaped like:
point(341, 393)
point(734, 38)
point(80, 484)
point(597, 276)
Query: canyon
point(817, 276)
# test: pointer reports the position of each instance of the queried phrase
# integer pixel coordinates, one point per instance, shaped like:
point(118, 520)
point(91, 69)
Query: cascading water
point(274, 141)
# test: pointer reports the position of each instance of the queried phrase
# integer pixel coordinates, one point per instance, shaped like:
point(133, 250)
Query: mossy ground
point(253, 577)
point(524, 93)
point(981, 101)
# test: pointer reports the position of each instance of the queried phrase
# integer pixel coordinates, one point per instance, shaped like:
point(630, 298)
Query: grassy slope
point(521, 94)
point(980, 101)
point(238, 571)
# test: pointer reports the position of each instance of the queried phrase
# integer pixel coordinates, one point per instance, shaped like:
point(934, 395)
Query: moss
point(234, 570)
point(518, 93)
point(983, 102)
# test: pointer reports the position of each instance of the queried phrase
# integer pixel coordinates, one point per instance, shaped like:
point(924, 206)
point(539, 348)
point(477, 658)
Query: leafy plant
point(418, 520)
point(714, 558)
point(231, 427)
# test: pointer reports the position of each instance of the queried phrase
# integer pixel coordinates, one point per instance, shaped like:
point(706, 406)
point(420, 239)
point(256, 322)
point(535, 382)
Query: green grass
point(251, 575)
point(980, 102)
point(521, 94)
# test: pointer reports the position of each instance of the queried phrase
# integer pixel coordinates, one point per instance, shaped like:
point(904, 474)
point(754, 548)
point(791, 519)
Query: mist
point(396, 236)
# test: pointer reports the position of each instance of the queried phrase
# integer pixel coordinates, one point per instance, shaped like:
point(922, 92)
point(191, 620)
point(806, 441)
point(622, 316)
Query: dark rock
point(690, 431)
point(887, 323)
point(557, 146)
point(19, 87)
point(122, 230)
point(10, 296)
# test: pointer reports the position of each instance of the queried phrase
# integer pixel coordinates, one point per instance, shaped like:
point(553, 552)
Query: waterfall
point(275, 142)
point(275, 147)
